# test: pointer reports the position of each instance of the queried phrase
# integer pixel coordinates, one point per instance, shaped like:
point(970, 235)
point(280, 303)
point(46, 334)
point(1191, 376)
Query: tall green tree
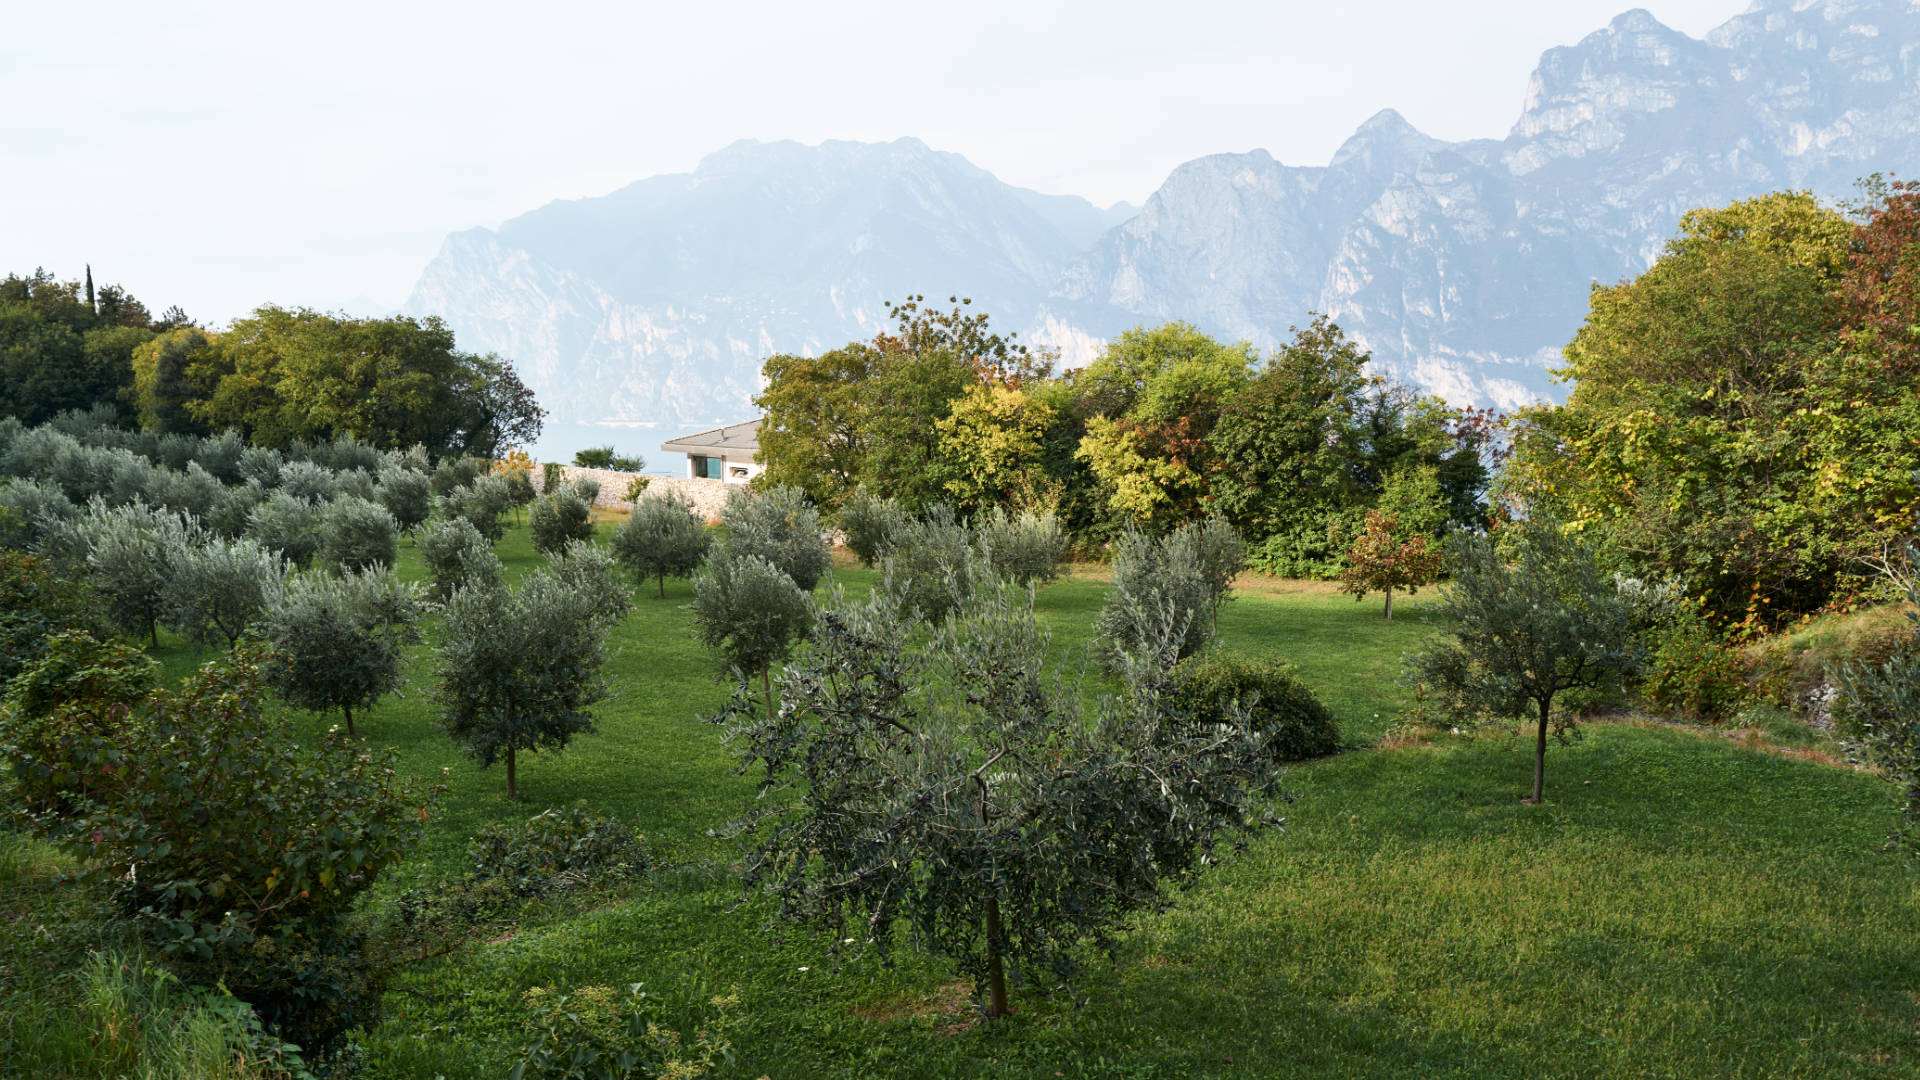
point(814, 436)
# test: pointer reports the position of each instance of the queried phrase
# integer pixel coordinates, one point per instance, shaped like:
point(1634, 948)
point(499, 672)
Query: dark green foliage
point(869, 522)
point(557, 851)
point(456, 555)
point(780, 526)
point(339, 642)
point(240, 853)
point(484, 504)
point(1530, 616)
point(603, 457)
point(1178, 580)
point(748, 613)
point(407, 495)
point(930, 565)
point(216, 588)
point(1292, 720)
point(1024, 548)
point(1880, 703)
point(561, 517)
point(37, 602)
point(456, 472)
point(1692, 671)
point(357, 535)
point(520, 668)
point(993, 827)
point(61, 718)
point(287, 524)
point(661, 538)
point(600, 1033)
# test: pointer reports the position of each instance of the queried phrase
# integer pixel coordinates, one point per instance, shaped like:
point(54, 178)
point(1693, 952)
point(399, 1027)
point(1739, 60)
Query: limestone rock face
point(1463, 267)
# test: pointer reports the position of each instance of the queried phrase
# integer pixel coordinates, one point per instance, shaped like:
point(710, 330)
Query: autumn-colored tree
point(1388, 556)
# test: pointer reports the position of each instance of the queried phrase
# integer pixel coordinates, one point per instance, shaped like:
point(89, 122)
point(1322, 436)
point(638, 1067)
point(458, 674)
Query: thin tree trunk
point(1540, 754)
point(348, 709)
point(513, 788)
point(766, 684)
point(996, 968)
point(1389, 602)
point(663, 584)
point(153, 627)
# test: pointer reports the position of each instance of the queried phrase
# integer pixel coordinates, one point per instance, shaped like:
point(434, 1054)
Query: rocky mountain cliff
point(1462, 266)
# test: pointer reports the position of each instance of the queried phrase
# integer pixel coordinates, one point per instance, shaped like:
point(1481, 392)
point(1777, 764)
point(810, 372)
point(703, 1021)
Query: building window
point(739, 472)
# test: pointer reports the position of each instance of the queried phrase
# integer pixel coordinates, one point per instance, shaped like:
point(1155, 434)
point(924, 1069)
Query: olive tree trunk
point(1540, 753)
point(513, 787)
point(996, 966)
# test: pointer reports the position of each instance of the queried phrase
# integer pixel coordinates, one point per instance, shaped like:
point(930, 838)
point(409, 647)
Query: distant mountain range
point(1463, 266)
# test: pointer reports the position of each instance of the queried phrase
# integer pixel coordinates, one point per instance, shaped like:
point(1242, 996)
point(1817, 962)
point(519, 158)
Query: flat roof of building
point(742, 439)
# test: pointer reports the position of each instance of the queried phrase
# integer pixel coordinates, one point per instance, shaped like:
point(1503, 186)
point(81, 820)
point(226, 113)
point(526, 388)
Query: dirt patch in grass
point(948, 1008)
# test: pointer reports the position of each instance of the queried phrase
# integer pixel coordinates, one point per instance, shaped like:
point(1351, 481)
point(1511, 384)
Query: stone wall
point(706, 496)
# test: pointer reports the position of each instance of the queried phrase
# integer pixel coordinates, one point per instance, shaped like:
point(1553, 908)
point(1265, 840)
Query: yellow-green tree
point(989, 453)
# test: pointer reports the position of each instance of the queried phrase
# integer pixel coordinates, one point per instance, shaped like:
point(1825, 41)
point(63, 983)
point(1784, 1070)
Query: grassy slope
point(1682, 907)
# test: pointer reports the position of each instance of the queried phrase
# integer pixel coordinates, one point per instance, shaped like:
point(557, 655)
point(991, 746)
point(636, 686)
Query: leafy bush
point(930, 567)
point(561, 517)
point(780, 526)
point(407, 495)
point(231, 511)
point(660, 539)
point(482, 504)
point(357, 535)
point(636, 487)
point(869, 523)
point(61, 720)
point(749, 613)
point(1313, 548)
point(457, 555)
point(357, 484)
point(215, 589)
point(1179, 580)
point(1694, 672)
point(598, 1033)
point(557, 851)
point(339, 642)
point(1880, 708)
point(288, 525)
point(1026, 548)
point(36, 603)
point(240, 852)
point(1294, 722)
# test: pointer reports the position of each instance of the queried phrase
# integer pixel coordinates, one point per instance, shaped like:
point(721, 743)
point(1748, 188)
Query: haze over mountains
point(1462, 266)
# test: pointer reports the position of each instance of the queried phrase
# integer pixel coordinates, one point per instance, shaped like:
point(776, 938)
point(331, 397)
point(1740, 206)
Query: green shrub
point(561, 517)
point(1692, 671)
point(780, 526)
point(358, 535)
point(455, 473)
point(869, 522)
point(306, 480)
point(749, 614)
point(599, 1033)
point(1294, 722)
point(1171, 585)
point(61, 720)
point(28, 508)
point(636, 488)
point(660, 539)
point(456, 554)
point(233, 509)
point(288, 525)
point(339, 642)
point(586, 487)
point(1313, 548)
point(930, 567)
point(1025, 549)
point(484, 504)
point(36, 603)
point(131, 553)
point(407, 495)
point(557, 851)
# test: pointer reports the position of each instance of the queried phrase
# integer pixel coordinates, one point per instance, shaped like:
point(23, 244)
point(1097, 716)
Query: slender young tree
point(339, 642)
point(750, 614)
point(661, 539)
point(1384, 557)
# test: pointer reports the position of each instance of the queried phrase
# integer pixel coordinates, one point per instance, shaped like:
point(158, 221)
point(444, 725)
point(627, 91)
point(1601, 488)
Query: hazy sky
point(223, 155)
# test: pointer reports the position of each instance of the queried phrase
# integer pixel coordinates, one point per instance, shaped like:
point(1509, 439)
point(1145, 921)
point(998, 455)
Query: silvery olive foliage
point(1183, 576)
point(484, 504)
point(561, 517)
point(1024, 548)
point(869, 522)
point(307, 480)
point(288, 524)
point(941, 785)
point(407, 495)
point(749, 613)
point(780, 526)
point(1530, 615)
point(356, 534)
point(132, 553)
point(929, 564)
point(586, 487)
point(457, 555)
point(1881, 702)
point(519, 667)
point(231, 511)
point(216, 588)
point(660, 539)
point(338, 641)
point(28, 508)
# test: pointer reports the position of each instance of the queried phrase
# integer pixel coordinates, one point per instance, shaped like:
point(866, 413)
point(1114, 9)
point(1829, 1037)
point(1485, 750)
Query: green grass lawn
point(1681, 907)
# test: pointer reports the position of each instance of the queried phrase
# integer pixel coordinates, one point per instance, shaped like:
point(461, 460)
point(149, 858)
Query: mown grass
point(1681, 907)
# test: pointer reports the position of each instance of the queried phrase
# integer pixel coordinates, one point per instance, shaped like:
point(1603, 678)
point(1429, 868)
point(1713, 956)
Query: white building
point(721, 454)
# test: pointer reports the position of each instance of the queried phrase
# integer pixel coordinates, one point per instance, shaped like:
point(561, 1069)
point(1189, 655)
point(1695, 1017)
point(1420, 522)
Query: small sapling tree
point(1185, 575)
point(1384, 557)
point(1531, 615)
point(456, 554)
point(749, 613)
point(339, 642)
point(930, 564)
point(661, 539)
point(520, 667)
point(780, 526)
point(356, 534)
point(217, 588)
point(1024, 548)
point(561, 517)
point(943, 787)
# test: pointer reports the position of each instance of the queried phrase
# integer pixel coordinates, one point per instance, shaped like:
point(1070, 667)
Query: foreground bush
point(781, 527)
point(240, 853)
point(1292, 720)
point(64, 716)
point(37, 602)
point(930, 564)
point(599, 1033)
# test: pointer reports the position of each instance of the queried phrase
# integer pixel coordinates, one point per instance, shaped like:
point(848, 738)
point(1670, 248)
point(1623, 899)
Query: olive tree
point(216, 588)
point(519, 667)
point(1025, 548)
point(407, 495)
point(356, 534)
point(1183, 575)
point(780, 526)
point(944, 787)
point(930, 564)
point(483, 504)
point(661, 538)
point(456, 554)
point(130, 553)
point(1530, 615)
point(868, 522)
point(561, 517)
point(289, 525)
point(339, 641)
point(749, 613)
